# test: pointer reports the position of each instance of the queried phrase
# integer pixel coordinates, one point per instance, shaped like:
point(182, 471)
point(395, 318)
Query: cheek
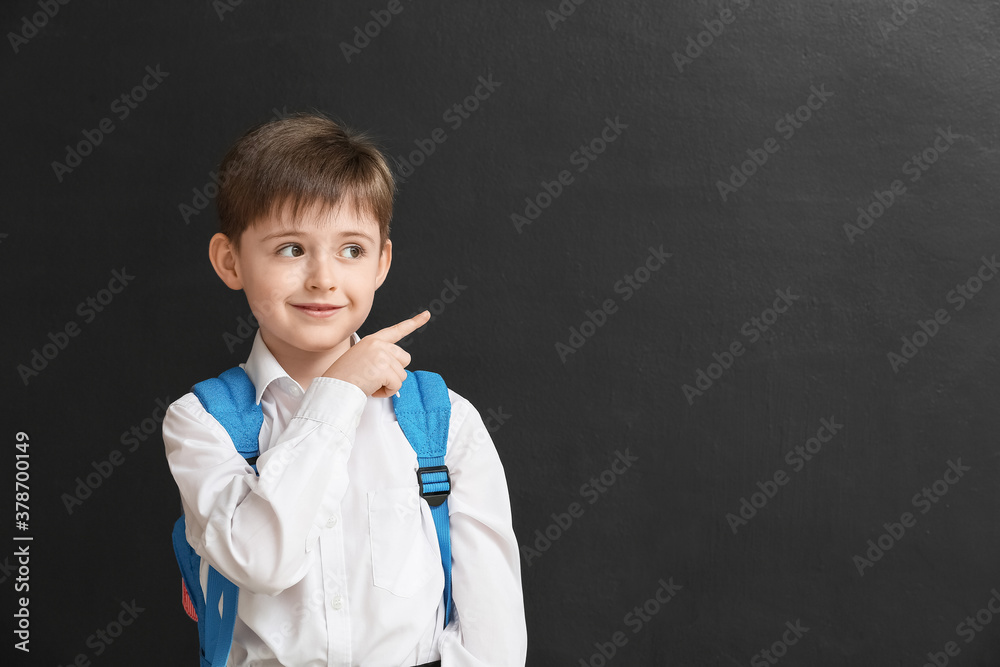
point(287, 279)
point(363, 285)
point(268, 289)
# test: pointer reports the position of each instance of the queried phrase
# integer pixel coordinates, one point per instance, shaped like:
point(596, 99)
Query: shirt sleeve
point(260, 532)
point(486, 570)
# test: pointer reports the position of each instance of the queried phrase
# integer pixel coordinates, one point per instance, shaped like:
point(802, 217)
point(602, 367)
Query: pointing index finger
point(403, 329)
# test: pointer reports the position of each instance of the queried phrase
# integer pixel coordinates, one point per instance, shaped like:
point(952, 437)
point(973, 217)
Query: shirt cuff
point(334, 402)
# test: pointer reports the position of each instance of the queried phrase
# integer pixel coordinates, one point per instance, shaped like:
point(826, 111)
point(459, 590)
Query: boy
point(333, 550)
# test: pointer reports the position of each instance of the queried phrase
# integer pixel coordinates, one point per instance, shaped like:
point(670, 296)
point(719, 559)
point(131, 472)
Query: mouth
point(317, 310)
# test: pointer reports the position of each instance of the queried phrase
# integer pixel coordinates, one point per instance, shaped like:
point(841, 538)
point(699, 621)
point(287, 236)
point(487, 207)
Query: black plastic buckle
point(434, 498)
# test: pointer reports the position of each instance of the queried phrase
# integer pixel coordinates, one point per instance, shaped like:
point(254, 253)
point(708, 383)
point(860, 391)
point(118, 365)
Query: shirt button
point(331, 522)
point(337, 603)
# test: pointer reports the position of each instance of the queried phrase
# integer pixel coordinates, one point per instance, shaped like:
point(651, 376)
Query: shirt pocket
point(404, 561)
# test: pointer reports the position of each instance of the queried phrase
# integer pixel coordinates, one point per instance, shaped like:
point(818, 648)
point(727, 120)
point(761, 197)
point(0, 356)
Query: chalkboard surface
point(720, 277)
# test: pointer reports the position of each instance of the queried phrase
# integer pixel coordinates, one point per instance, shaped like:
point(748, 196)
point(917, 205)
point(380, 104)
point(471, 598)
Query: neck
point(301, 365)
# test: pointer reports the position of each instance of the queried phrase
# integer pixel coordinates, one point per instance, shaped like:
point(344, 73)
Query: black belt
point(436, 663)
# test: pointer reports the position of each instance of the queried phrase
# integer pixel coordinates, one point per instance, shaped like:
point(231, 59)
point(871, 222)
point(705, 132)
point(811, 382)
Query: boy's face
point(311, 280)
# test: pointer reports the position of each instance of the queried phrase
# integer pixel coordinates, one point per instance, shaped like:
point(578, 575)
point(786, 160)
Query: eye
point(352, 252)
point(291, 250)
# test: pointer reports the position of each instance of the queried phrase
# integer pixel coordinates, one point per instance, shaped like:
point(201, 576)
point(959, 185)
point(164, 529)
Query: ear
point(223, 256)
point(384, 260)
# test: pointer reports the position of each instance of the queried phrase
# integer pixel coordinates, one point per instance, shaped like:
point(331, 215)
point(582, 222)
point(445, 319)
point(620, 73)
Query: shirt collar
point(263, 369)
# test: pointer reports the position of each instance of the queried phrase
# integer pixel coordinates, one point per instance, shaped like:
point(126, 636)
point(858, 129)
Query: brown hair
point(299, 161)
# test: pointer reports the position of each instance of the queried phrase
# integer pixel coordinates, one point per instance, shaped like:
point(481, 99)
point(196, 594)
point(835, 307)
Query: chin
point(325, 345)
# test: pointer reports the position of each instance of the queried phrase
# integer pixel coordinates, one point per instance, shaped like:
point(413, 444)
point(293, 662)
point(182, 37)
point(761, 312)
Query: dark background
point(894, 87)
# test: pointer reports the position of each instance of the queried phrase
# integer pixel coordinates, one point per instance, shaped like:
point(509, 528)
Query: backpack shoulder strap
point(231, 399)
point(215, 629)
point(190, 563)
point(423, 409)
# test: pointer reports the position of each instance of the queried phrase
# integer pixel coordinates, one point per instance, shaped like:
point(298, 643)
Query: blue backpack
point(423, 410)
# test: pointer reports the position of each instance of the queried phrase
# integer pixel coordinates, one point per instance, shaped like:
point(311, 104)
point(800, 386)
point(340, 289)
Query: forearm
point(260, 531)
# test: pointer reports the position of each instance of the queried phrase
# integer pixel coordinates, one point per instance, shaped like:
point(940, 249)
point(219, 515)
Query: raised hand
point(376, 364)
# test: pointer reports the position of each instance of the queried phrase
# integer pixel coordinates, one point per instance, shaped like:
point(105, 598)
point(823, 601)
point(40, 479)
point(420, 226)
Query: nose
point(322, 273)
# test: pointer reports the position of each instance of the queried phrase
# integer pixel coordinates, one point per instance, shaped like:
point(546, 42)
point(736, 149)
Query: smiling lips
point(319, 310)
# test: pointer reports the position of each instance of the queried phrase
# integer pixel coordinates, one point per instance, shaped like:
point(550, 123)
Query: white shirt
point(333, 549)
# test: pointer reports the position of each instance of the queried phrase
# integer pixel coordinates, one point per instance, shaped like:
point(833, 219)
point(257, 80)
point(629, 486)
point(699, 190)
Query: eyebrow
point(358, 232)
point(278, 235)
point(298, 232)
